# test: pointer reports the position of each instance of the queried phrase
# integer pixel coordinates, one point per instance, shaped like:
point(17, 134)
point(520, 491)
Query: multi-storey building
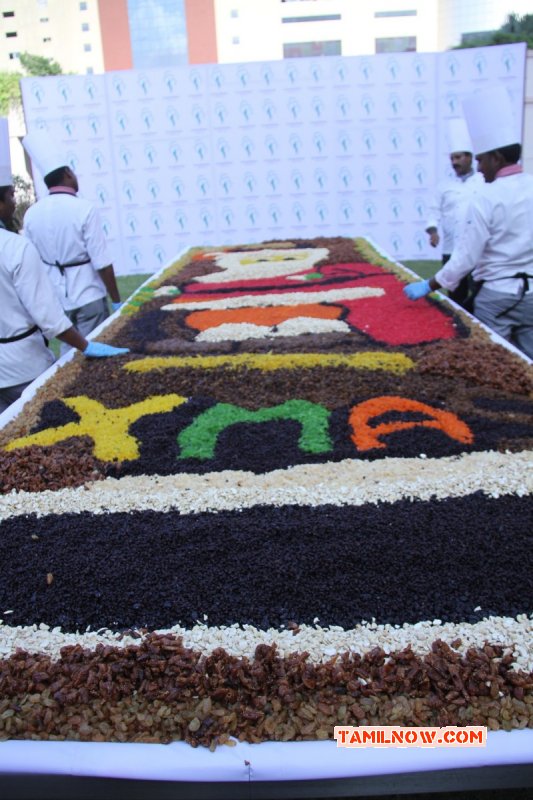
point(87, 36)
point(67, 32)
point(96, 36)
point(271, 30)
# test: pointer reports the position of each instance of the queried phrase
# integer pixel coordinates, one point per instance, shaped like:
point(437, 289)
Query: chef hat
point(6, 178)
point(490, 119)
point(44, 153)
point(459, 140)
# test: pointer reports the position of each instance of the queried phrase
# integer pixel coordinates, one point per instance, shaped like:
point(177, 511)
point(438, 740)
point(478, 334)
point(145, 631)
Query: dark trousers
point(9, 394)
point(462, 295)
point(86, 318)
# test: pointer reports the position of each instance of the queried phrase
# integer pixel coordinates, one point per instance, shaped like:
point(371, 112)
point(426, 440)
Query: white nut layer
point(348, 482)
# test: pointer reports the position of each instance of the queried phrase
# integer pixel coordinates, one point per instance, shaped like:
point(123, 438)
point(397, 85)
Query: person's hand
point(116, 306)
point(434, 238)
point(100, 350)
point(415, 291)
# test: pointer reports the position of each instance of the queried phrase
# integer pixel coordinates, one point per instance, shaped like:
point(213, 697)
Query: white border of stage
point(268, 761)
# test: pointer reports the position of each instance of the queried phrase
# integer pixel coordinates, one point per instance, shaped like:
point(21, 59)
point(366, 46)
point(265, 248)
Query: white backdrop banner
point(235, 153)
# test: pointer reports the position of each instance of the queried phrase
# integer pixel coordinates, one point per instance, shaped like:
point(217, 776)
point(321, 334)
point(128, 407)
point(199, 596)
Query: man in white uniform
point(67, 232)
point(451, 199)
point(30, 308)
point(496, 243)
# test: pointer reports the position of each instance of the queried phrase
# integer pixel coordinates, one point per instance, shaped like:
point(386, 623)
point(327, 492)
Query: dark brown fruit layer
point(161, 691)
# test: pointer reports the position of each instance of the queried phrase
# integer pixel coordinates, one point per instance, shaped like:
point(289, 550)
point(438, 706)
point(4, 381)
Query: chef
point(67, 232)
point(451, 199)
point(30, 308)
point(495, 242)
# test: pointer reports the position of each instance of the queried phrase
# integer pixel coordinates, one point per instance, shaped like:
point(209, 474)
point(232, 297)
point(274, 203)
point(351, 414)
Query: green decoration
point(199, 439)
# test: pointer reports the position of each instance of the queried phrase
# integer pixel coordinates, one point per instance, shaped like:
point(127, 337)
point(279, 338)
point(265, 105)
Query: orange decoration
point(273, 315)
point(367, 438)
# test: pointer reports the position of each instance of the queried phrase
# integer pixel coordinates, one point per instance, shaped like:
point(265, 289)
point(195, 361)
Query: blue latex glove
point(100, 350)
point(415, 291)
point(116, 306)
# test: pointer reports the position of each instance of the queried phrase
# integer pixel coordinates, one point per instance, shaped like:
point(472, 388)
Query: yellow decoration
point(107, 427)
point(372, 360)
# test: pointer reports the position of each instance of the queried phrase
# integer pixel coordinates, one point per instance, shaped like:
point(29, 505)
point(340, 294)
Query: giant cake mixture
point(301, 500)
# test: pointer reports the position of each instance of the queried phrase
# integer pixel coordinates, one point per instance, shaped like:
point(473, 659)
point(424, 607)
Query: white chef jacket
point(496, 241)
point(66, 228)
point(27, 299)
point(449, 204)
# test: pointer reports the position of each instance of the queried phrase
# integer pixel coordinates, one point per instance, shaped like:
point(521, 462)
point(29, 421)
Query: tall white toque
point(459, 140)
point(6, 178)
point(491, 120)
point(44, 153)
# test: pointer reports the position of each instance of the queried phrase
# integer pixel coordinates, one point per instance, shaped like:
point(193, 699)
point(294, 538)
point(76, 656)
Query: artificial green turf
point(127, 284)
point(426, 269)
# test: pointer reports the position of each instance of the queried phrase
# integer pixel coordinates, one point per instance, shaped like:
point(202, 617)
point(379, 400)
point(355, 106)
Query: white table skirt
point(269, 761)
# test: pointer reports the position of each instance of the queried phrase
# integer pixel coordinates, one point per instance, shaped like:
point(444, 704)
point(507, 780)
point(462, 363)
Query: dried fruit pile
point(301, 499)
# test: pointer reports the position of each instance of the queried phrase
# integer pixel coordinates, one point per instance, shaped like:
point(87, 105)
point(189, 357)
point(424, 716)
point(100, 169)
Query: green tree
point(10, 81)
point(515, 29)
point(24, 195)
point(9, 91)
point(39, 65)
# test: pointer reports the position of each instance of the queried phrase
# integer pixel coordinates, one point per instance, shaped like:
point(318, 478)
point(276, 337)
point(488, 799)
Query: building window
point(395, 13)
point(12, 56)
point(89, 71)
point(168, 29)
point(474, 39)
point(87, 48)
point(321, 18)
point(306, 49)
point(234, 13)
point(83, 6)
point(47, 39)
point(396, 44)
point(11, 34)
point(44, 19)
point(236, 40)
point(8, 13)
point(85, 26)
